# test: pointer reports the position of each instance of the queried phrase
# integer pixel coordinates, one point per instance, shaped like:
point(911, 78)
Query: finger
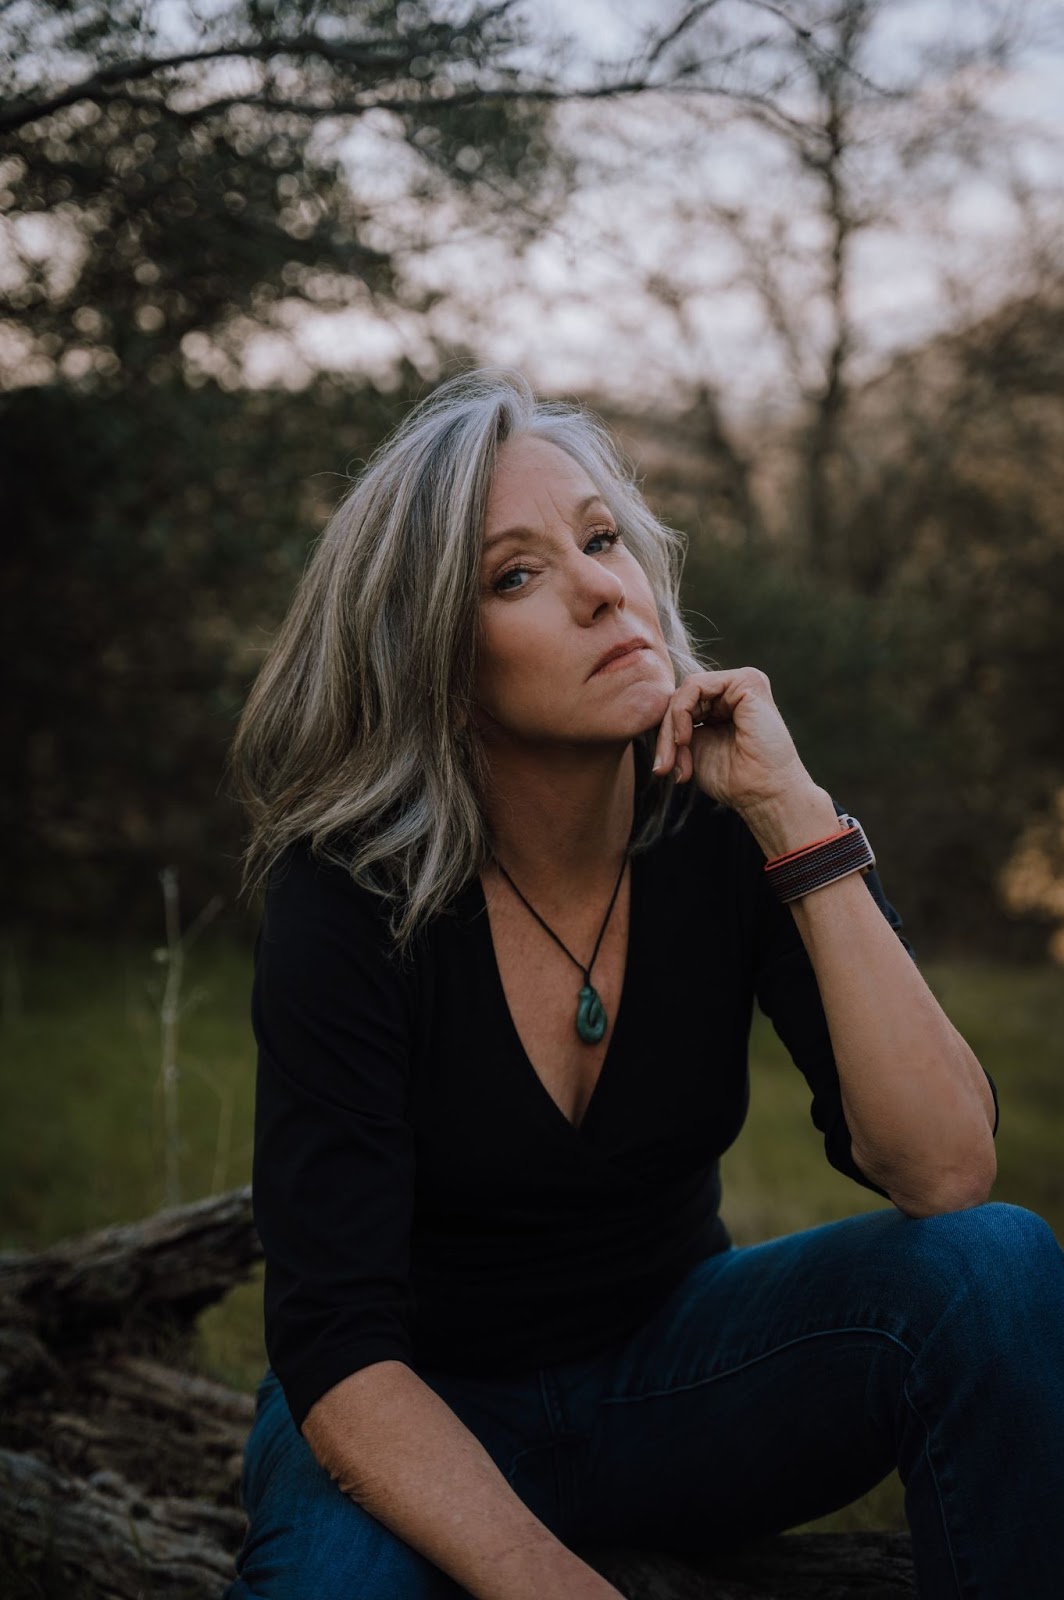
point(676, 732)
point(731, 686)
point(664, 749)
point(692, 703)
point(701, 701)
point(671, 751)
point(701, 695)
point(721, 705)
point(682, 728)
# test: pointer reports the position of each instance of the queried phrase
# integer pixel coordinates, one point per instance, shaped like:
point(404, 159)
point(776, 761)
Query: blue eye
point(597, 533)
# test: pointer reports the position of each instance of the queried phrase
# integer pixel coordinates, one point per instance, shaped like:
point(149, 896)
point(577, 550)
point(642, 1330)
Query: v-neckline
point(541, 1092)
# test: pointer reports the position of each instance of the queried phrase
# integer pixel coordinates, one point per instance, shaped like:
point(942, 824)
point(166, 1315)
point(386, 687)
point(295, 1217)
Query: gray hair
point(357, 732)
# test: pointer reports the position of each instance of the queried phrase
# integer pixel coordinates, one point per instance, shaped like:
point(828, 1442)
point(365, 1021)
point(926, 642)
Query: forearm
point(918, 1105)
point(394, 1446)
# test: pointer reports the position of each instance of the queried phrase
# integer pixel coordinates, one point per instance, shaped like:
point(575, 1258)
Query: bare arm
point(399, 1451)
point(917, 1102)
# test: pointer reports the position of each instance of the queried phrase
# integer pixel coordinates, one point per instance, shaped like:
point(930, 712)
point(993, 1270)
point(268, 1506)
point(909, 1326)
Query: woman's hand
point(725, 730)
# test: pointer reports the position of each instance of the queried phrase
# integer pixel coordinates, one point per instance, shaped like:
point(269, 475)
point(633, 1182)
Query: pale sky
point(575, 312)
point(572, 314)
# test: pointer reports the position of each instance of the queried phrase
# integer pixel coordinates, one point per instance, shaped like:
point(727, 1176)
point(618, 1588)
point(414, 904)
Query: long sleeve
point(333, 1169)
point(786, 988)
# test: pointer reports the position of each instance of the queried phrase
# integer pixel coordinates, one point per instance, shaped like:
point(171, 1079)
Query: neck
point(560, 818)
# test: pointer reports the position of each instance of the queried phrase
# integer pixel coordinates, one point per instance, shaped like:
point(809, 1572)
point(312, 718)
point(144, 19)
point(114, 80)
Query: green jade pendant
point(590, 1015)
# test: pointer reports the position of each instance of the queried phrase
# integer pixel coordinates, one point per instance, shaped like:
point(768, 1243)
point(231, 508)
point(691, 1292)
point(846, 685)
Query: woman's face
point(559, 590)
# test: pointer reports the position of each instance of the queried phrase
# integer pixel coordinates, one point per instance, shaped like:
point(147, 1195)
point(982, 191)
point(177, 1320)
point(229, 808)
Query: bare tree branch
point(808, 38)
point(692, 15)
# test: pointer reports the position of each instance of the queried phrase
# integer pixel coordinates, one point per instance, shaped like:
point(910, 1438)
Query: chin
point(643, 709)
point(653, 702)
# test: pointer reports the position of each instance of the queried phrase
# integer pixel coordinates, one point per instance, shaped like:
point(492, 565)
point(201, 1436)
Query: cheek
point(635, 579)
point(514, 660)
point(639, 595)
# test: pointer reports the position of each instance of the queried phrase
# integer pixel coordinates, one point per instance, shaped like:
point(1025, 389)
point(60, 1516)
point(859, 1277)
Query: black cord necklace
point(591, 1016)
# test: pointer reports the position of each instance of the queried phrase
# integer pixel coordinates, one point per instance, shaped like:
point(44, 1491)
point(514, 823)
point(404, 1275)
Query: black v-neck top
point(418, 1193)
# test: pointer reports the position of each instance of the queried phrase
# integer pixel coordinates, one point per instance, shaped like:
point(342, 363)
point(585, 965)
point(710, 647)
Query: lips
point(625, 648)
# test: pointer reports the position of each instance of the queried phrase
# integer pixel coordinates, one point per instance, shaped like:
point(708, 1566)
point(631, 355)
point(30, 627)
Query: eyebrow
point(520, 532)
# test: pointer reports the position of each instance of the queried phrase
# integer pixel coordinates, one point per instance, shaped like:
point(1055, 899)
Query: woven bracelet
point(813, 866)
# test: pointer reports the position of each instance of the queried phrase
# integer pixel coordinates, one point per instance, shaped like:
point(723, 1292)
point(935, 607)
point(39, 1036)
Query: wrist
point(791, 820)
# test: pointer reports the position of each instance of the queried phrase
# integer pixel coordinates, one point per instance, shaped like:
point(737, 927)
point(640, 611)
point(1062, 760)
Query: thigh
point(763, 1393)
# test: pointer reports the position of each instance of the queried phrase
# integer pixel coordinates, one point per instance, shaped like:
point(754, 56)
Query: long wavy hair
point(357, 733)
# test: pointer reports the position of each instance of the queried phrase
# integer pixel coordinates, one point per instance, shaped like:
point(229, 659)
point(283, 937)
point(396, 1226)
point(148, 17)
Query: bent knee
point(995, 1225)
point(996, 1250)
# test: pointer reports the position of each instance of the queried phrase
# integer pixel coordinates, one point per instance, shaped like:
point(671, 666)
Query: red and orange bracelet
point(813, 866)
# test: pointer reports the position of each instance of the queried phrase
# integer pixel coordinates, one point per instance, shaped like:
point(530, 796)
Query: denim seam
point(681, 1388)
point(553, 1412)
point(568, 1489)
point(960, 1587)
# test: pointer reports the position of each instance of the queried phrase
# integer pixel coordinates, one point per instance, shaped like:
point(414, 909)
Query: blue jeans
point(776, 1383)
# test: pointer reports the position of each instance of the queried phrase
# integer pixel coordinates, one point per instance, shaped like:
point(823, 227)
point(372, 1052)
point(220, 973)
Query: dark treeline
point(155, 546)
point(171, 186)
point(159, 511)
point(921, 668)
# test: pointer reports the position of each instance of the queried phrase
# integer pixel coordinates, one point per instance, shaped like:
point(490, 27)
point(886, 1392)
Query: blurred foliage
point(174, 179)
point(154, 550)
point(189, 187)
point(157, 546)
point(923, 676)
point(939, 772)
point(173, 182)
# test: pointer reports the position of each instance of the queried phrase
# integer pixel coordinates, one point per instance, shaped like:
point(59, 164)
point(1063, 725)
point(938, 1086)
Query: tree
point(176, 180)
point(733, 222)
point(895, 500)
point(925, 686)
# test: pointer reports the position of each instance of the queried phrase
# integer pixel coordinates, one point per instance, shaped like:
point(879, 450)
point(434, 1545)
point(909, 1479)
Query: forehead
point(534, 477)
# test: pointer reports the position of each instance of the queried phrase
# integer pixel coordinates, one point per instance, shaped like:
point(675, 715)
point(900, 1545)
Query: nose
point(595, 589)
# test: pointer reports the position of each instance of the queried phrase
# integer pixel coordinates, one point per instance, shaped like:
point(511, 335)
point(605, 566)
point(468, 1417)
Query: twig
point(173, 953)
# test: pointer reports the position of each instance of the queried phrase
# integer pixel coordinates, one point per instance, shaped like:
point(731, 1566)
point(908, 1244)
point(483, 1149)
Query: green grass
point(81, 1138)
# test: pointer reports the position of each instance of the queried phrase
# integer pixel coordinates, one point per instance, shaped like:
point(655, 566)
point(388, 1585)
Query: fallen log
point(137, 1280)
point(792, 1566)
point(107, 1535)
point(120, 1464)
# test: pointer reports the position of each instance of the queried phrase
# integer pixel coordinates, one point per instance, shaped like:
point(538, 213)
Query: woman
point(528, 863)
